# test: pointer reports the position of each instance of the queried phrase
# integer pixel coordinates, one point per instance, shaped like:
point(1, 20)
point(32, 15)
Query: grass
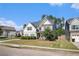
point(3, 38)
point(32, 42)
point(63, 44)
point(54, 44)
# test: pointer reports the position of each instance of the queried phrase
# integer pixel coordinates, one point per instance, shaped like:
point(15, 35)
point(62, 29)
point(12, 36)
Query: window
point(73, 40)
point(45, 27)
point(29, 28)
point(75, 27)
point(26, 34)
point(40, 28)
point(77, 35)
point(32, 34)
point(73, 35)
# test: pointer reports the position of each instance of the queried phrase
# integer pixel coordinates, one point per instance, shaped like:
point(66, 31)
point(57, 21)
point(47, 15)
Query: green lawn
point(63, 44)
point(54, 44)
point(3, 38)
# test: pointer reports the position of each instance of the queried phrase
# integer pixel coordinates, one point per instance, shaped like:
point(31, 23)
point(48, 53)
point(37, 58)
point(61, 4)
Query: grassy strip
point(32, 42)
point(63, 44)
point(54, 44)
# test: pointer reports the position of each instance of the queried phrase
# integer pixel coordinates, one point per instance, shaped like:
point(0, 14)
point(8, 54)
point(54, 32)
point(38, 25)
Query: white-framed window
point(26, 34)
point(77, 35)
point(29, 28)
point(75, 27)
point(32, 34)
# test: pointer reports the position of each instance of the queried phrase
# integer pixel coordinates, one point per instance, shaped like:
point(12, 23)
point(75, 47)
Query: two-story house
point(30, 30)
point(36, 28)
point(46, 22)
point(72, 29)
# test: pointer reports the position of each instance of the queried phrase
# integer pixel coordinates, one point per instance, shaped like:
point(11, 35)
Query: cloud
point(56, 4)
point(5, 22)
point(75, 5)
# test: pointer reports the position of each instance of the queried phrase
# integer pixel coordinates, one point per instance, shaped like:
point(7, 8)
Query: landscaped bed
point(3, 38)
point(53, 44)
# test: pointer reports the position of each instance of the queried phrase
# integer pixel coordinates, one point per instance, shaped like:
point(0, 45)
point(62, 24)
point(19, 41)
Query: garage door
point(75, 38)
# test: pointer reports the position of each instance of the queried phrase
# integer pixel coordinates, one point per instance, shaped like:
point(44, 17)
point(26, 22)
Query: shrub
point(28, 37)
point(59, 31)
point(3, 38)
point(48, 34)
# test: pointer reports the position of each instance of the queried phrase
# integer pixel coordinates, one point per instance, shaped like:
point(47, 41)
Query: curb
point(37, 47)
point(8, 40)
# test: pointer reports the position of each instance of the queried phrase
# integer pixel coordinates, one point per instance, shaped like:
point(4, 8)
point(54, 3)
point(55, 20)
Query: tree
point(43, 16)
point(1, 31)
point(24, 26)
point(48, 34)
point(53, 18)
point(62, 21)
point(59, 32)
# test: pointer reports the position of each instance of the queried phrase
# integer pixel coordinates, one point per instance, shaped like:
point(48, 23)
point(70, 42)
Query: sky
point(17, 14)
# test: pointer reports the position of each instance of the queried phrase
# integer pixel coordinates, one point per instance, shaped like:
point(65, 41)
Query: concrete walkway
point(7, 51)
point(76, 44)
point(8, 40)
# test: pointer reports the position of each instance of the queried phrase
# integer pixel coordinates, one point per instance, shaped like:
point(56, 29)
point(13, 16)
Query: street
point(7, 51)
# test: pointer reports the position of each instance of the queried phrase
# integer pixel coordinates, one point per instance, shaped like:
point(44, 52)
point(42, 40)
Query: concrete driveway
point(76, 44)
point(7, 51)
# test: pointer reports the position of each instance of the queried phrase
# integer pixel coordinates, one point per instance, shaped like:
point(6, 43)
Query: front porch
point(40, 36)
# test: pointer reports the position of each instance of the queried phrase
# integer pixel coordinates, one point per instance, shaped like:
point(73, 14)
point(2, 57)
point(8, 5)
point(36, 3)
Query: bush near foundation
point(28, 37)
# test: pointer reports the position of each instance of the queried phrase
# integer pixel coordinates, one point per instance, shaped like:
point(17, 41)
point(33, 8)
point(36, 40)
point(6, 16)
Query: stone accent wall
point(62, 37)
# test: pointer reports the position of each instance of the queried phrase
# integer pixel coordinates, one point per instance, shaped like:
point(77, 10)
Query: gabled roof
point(35, 24)
point(71, 19)
point(47, 18)
point(8, 28)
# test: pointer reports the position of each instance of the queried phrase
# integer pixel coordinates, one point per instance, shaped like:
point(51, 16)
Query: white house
point(45, 23)
point(30, 30)
point(72, 29)
point(36, 28)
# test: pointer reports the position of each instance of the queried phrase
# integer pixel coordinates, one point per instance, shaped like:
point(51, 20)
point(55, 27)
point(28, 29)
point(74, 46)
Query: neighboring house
point(45, 23)
point(30, 30)
point(72, 29)
point(8, 31)
point(19, 33)
point(36, 28)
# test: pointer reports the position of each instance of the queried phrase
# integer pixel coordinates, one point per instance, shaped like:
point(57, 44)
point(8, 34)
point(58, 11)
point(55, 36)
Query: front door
point(73, 40)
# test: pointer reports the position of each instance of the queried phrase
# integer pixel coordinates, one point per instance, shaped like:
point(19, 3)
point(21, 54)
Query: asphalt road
point(7, 51)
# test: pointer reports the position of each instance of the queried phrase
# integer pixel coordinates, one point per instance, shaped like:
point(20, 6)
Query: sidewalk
point(8, 40)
